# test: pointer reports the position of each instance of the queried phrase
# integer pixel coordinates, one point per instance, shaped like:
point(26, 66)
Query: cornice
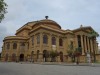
point(15, 38)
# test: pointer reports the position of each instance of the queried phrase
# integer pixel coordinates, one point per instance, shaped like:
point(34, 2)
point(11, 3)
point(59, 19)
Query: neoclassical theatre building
point(34, 40)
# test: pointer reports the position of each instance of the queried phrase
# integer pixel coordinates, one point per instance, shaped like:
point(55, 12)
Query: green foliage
point(70, 50)
point(53, 54)
point(93, 34)
point(70, 53)
point(74, 52)
point(3, 8)
point(78, 51)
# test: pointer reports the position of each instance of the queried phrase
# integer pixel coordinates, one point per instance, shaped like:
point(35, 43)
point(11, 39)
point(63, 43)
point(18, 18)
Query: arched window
point(38, 39)
point(60, 42)
point(32, 40)
point(8, 45)
point(45, 39)
point(53, 41)
point(14, 45)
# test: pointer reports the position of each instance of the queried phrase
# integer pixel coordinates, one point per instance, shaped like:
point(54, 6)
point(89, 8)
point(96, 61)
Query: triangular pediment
point(47, 28)
point(83, 29)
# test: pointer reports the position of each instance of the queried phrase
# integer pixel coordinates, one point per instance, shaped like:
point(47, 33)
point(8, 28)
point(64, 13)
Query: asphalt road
point(37, 69)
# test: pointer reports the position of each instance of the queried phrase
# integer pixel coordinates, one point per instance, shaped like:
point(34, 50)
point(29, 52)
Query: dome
point(49, 23)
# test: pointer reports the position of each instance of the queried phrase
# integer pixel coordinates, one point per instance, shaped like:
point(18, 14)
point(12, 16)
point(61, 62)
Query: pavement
point(48, 68)
point(67, 64)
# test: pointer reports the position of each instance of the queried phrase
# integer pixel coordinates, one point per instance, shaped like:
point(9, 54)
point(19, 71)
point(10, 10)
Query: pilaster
point(41, 41)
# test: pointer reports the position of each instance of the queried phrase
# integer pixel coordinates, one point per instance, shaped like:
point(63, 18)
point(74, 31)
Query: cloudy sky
point(70, 14)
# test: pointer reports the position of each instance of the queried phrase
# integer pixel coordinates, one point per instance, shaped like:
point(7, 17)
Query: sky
point(70, 14)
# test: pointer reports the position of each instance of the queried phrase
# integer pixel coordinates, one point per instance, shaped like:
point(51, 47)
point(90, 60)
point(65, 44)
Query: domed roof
point(48, 22)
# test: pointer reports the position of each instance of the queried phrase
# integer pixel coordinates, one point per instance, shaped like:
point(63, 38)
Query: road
point(37, 69)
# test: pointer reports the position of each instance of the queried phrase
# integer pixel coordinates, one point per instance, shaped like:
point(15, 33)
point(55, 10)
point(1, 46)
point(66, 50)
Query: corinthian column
point(91, 45)
point(88, 44)
point(82, 45)
point(85, 43)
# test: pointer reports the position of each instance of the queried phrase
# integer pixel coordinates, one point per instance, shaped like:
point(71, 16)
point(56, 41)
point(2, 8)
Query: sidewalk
point(67, 64)
point(62, 63)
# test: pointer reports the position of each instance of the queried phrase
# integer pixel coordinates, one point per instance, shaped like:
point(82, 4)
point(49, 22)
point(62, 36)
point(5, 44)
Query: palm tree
point(92, 35)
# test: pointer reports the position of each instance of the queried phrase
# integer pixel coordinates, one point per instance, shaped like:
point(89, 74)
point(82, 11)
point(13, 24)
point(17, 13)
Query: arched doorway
point(21, 57)
point(13, 57)
point(6, 57)
point(45, 55)
point(61, 56)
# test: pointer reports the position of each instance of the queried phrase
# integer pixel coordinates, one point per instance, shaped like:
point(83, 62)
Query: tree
point(53, 55)
point(92, 35)
point(3, 8)
point(78, 53)
point(71, 55)
point(74, 52)
point(71, 52)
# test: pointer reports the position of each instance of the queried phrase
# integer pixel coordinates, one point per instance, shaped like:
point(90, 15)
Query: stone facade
point(35, 39)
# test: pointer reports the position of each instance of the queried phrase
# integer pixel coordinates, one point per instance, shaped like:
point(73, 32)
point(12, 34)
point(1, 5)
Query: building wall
point(34, 51)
